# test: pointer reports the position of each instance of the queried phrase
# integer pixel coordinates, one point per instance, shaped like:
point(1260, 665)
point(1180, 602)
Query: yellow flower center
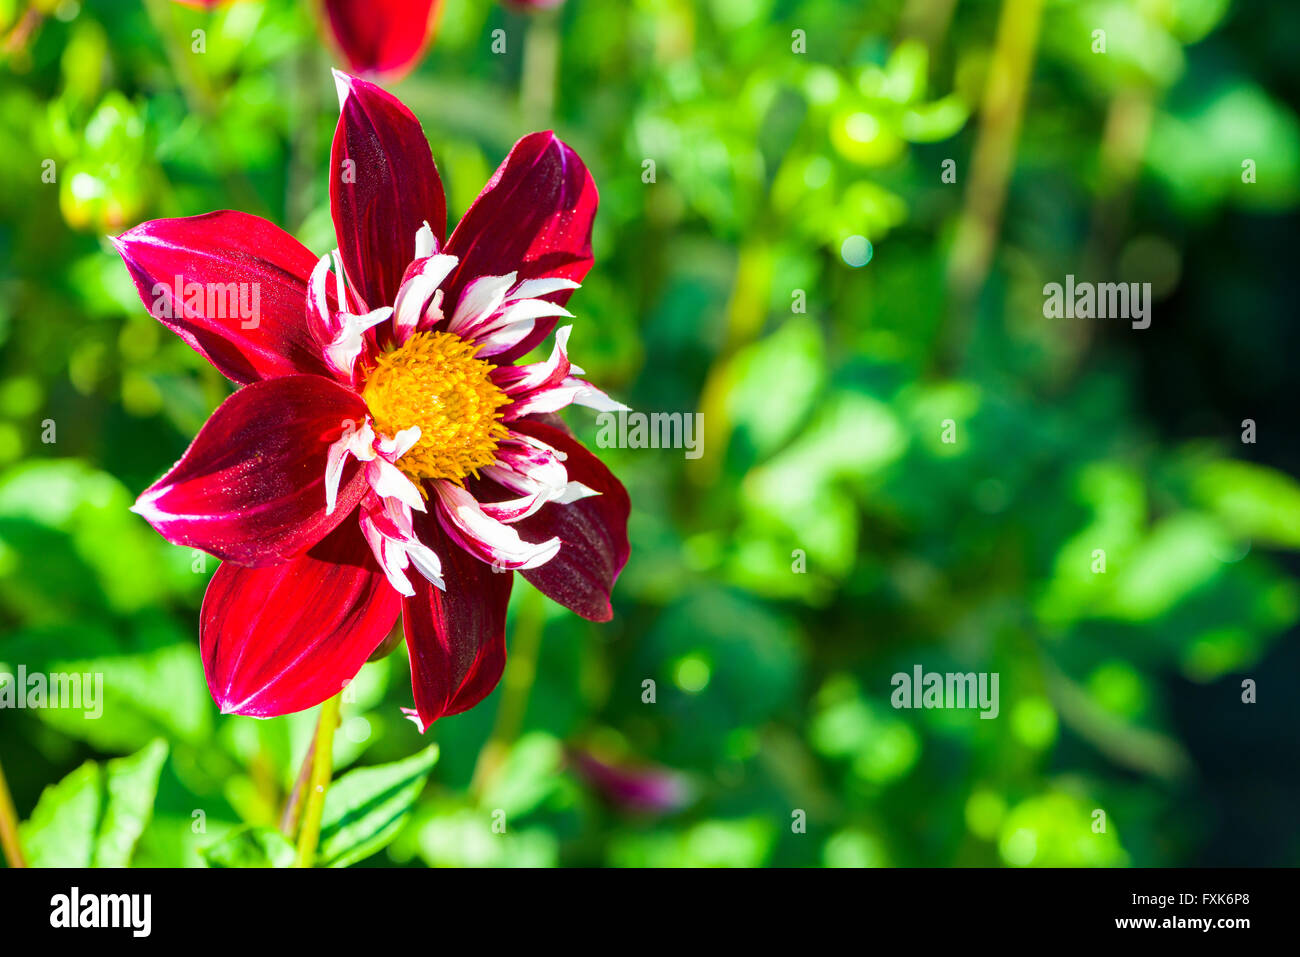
point(435, 382)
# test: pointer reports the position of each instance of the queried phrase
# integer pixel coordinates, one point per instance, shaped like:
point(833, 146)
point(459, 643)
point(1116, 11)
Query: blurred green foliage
point(828, 537)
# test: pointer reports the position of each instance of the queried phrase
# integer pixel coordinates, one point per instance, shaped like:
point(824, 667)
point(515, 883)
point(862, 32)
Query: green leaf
point(251, 847)
point(94, 816)
point(1255, 502)
point(528, 775)
point(366, 808)
point(132, 785)
point(70, 508)
point(61, 832)
point(1180, 556)
point(793, 354)
point(148, 683)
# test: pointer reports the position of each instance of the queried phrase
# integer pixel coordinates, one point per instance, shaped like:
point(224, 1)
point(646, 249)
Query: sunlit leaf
point(366, 808)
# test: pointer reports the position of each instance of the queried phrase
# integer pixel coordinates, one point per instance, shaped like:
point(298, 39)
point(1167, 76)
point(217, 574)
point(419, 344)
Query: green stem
point(1139, 749)
point(321, 768)
point(13, 850)
point(293, 806)
point(540, 67)
point(1124, 141)
point(516, 686)
point(992, 161)
point(746, 310)
point(926, 20)
point(22, 34)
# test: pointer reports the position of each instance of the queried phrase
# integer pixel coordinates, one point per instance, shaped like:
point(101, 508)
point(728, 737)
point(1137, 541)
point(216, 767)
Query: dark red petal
point(215, 250)
point(251, 487)
point(283, 639)
point(457, 638)
point(533, 217)
point(381, 36)
point(394, 189)
point(593, 530)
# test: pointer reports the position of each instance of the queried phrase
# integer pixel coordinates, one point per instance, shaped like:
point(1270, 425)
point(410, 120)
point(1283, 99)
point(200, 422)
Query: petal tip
point(342, 85)
point(414, 717)
point(146, 506)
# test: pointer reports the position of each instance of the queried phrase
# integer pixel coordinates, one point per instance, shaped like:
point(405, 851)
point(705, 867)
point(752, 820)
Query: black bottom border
point(327, 907)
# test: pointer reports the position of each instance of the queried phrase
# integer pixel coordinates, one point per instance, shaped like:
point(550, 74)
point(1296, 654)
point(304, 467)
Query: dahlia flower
point(638, 789)
point(383, 37)
point(386, 452)
point(376, 37)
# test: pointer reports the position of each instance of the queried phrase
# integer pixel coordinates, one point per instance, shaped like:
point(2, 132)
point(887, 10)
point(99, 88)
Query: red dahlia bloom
point(385, 452)
point(382, 37)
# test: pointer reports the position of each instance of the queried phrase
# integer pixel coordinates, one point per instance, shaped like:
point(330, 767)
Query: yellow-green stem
point(13, 850)
point(926, 20)
point(321, 768)
point(746, 311)
point(540, 68)
point(992, 161)
point(516, 685)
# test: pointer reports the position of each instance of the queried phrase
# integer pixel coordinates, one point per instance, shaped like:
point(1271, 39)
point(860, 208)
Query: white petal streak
point(387, 528)
point(553, 370)
point(355, 441)
point(569, 392)
point(425, 243)
point(388, 481)
point(482, 298)
point(342, 86)
point(584, 393)
point(532, 288)
point(394, 448)
point(341, 354)
point(319, 319)
point(416, 292)
point(485, 537)
point(573, 492)
point(534, 470)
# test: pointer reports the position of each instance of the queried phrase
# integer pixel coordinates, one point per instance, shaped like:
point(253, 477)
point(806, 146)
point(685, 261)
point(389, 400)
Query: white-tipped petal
point(390, 482)
point(355, 441)
point(426, 562)
point(319, 320)
point(574, 492)
point(512, 324)
point(342, 86)
point(342, 353)
point(416, 293)
point(485, 537)
point(425, 244)
point(401, 443)
point(340, 291)
point(584, 393)
point(482, 298)
point(532, 288)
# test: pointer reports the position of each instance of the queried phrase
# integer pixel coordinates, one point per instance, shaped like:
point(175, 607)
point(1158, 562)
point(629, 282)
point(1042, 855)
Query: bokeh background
point(828, 537)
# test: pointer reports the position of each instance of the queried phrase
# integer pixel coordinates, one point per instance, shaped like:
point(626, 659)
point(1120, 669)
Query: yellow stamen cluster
point(434, 381)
